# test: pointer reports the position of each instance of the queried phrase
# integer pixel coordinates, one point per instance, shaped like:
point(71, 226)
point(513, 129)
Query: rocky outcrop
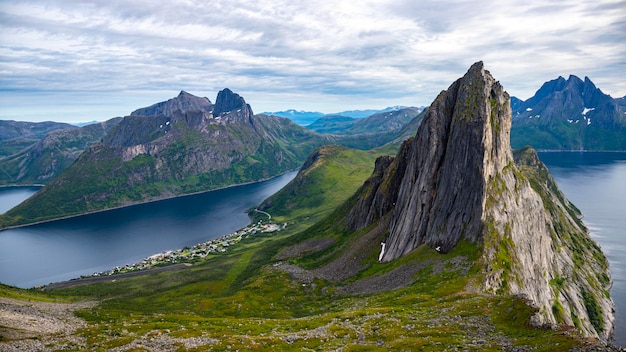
point(457, 180)
point(462, 142)
point(379, 193)
point(228, 102)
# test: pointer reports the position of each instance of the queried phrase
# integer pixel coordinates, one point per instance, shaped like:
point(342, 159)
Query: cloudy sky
point(93, 60)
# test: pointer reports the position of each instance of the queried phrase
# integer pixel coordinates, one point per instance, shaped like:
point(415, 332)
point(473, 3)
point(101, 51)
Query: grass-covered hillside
point(281, 291)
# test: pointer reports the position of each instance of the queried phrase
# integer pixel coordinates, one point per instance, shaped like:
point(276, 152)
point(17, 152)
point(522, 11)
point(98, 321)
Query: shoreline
point(95, 279)
point(170, 259)
point(137, 203)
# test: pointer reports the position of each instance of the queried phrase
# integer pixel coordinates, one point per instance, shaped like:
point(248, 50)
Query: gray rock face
point(228, 102)
point(458, 181)
point(462, 141)
point(378, 195)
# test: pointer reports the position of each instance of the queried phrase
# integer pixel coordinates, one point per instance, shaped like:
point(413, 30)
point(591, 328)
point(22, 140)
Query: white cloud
point(286, 54)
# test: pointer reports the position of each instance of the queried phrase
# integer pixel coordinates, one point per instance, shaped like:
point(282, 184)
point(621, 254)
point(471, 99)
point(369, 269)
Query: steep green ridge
point(329, 176)
point(44, 159)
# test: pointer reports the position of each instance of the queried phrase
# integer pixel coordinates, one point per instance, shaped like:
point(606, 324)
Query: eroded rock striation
point(458, 180)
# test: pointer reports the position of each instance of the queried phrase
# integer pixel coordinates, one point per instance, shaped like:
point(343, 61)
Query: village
point(195, 252)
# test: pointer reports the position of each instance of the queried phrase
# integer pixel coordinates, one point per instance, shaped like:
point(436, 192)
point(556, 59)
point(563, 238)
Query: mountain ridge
point(52, 154)
point(305, 118)
point(569, 114)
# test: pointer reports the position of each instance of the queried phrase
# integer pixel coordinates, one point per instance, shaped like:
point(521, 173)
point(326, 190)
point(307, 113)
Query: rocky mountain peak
point(462, 142)
point(228, 102)
point(573, 105)
point(458, 180)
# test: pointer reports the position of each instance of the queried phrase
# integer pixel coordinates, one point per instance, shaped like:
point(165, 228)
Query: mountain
point(188, 145)
point(51, 155)
point(516, 103)
point(569, 114)
point(329, 124)
point(300, 117)
point(183, 102)
point(458, 185)
point(33, 130)
point(357, 114)
point(83, 124)
point(17, 135)
point(305, 118)
point(384, 122)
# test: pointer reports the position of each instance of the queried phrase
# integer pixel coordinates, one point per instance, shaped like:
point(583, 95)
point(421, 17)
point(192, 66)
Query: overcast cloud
point(79, 61)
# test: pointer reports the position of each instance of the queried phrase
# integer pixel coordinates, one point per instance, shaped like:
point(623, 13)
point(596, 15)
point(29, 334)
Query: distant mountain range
point(305, 118)
point(570, 114)
point(17, 135)
point(41, 160)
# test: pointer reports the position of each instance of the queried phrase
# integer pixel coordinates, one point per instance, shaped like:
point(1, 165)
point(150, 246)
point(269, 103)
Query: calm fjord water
point(66, 249)
point(36, 255)
point(596, 184)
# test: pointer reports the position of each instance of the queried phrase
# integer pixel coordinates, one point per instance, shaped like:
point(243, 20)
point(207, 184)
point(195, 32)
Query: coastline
point(111, 278)
point(154, 200)
point(171, 259)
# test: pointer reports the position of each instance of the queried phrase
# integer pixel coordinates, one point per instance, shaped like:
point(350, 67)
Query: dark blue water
point(596, 184)
point(61, 250)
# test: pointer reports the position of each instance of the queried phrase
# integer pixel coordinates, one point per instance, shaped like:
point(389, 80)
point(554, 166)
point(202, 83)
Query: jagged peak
point(227, 101)
point(460, 144)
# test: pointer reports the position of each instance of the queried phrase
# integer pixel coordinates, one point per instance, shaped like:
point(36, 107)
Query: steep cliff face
point(458, 180)
point(462, 142)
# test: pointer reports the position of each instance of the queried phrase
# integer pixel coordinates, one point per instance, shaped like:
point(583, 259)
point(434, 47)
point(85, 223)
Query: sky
point(78, 61)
